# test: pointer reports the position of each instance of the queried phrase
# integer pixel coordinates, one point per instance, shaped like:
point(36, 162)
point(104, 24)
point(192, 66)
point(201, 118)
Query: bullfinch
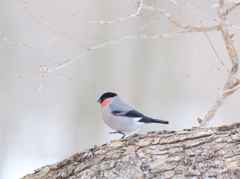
point(121, 117)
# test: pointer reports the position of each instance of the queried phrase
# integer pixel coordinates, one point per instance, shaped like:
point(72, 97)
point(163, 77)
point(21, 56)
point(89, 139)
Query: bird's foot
point(133, 135)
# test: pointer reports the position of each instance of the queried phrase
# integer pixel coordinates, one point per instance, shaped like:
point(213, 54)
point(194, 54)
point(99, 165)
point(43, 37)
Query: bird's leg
point(123, 136)
point(118, 132)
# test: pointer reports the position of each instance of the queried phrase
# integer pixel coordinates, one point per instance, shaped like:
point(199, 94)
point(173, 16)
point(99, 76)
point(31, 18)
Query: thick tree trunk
point(192, 153)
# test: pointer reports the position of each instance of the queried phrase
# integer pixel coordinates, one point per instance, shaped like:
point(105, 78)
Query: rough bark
point(191, 153)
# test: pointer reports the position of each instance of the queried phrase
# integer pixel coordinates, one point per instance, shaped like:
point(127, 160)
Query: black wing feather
point(132, 113)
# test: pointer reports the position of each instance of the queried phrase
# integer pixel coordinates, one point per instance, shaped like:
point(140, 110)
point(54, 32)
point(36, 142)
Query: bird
point(121, 117)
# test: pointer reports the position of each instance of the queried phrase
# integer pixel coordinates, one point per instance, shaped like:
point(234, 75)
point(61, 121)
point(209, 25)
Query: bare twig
point(138, 29)
point(214, 66)
point(220, 91)
point(231, 85)
point(42, 70)
point(232, 7)
point(230, 90)
point(176, 22)
point(120, 39)
point(185, 28)
point(17, 77)
point(192, 78)
point(42, 81)
point(2, 35)
point(206, 17)
point(68, 62)
point(61, 78)
point(114, 21)
point(48, 42)
point(106, 22)
point(167, 35)
point(214, 49)
point(235, 23)
point(63, 30)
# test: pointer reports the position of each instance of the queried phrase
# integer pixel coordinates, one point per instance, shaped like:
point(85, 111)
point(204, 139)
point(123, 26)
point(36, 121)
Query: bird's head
point(106, 96)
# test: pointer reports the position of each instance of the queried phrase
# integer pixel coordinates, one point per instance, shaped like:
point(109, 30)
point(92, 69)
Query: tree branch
point(190, 9)
point(232, 7)
point(232, 81)
point(24, 43)
point(114, 21)
point(192, 153)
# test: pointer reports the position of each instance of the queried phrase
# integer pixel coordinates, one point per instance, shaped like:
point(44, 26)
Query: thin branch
point(171, 34)
point(42, 81)
point(148, 16)
point(17, 77)
point(231, 85)
point(230, 90)
point(63, 30)
point(215, 50)
point(222, 91)
point(48, 42)
point(48, 82)
point(68, 62)
point(175, 21)
point(61, 78)
point(206, 17)
point(26, 44)
point(114, 21)
point(186, 29)
point(214, 66)
point(138, 29)
point(192, 78)
point(42, 70)
point(232, 7)
point(235, 23)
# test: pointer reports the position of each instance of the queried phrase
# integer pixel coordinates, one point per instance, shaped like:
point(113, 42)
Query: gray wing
point(120, 108)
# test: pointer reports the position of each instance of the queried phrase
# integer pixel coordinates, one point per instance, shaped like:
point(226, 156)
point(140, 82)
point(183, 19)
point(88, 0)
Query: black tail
point(150, 120)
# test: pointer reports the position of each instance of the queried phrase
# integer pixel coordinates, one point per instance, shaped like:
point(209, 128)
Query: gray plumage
point(121, 117)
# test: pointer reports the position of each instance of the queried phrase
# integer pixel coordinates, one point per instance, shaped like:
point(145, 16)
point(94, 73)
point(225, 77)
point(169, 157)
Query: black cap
point(106, 95)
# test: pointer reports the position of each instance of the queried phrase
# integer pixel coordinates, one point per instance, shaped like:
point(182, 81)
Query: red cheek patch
point(105, 102)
